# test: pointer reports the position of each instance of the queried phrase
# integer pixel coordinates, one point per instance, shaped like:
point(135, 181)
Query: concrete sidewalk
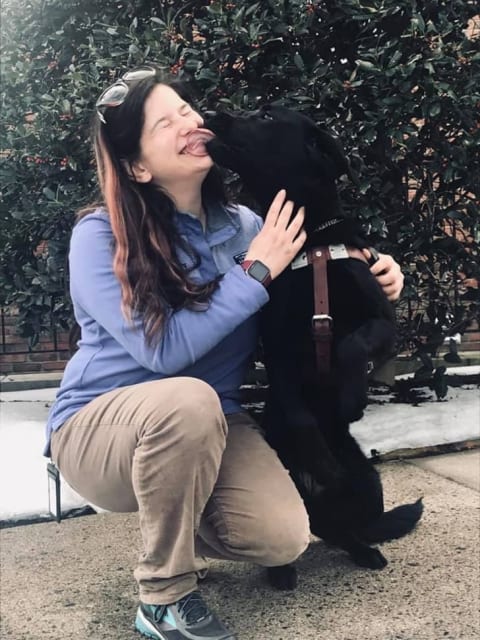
point(74, 580)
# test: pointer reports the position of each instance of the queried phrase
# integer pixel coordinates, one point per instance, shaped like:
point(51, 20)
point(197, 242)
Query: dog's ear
point(327, 155)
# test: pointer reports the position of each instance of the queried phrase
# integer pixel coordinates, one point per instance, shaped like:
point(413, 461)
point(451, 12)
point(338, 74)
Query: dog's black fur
point(307, 416)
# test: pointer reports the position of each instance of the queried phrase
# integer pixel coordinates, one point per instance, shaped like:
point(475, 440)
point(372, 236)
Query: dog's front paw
point(283, 578)
point(352, 410)
point(353, 402)
point(369, 558)
point(352, 367)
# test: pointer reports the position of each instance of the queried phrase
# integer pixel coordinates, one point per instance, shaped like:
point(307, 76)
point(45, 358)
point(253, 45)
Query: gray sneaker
point(188, 618)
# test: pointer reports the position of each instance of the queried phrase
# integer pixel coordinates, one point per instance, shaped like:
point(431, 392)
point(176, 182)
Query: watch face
point(259, 271)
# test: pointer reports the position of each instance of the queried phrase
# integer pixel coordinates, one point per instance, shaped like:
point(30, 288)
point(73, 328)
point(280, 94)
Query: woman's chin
point(204, 163)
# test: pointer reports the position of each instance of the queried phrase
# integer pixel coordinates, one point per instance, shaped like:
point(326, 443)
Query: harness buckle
point(321, 317)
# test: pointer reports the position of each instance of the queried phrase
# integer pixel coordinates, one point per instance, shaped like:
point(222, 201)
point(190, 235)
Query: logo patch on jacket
point(240, 257)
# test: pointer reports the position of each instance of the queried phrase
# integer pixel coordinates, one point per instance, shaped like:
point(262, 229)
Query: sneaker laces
point(158, 611)
point(192, 608)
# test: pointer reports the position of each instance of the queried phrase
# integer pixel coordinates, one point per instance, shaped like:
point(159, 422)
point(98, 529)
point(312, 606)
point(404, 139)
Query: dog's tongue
point(196, 141)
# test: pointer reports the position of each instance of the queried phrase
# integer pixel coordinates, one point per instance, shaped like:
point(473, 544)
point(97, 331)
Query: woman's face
point(164, 159)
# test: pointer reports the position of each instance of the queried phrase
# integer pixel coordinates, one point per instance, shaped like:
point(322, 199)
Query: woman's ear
point(137, 171)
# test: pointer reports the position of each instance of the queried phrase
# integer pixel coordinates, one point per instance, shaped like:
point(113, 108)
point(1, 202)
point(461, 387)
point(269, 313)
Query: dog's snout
point(219, 122)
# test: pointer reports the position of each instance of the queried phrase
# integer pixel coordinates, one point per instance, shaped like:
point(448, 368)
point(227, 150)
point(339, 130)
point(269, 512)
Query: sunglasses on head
point(115, 94)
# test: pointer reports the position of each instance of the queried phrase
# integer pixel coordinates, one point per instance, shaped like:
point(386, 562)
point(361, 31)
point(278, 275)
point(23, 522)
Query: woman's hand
point(388, 274)
point(278, 242)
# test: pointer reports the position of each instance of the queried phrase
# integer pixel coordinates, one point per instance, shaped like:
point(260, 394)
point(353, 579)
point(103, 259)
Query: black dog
point(307, 414)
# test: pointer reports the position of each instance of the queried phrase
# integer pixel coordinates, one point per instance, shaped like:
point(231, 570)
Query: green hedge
point(398, 81)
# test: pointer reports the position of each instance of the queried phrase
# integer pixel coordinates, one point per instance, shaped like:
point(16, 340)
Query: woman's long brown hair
point(152, 280)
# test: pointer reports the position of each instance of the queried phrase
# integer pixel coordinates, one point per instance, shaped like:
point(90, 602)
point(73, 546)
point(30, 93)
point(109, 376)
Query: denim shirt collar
point(221, 222)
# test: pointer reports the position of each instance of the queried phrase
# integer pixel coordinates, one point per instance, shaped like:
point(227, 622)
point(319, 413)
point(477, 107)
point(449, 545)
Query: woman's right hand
point(278, 242)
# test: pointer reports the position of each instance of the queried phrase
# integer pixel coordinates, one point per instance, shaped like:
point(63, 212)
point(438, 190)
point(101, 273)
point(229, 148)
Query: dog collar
point(328, 223)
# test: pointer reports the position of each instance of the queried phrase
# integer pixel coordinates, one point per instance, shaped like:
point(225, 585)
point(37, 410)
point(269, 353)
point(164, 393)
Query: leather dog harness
point(321, 319)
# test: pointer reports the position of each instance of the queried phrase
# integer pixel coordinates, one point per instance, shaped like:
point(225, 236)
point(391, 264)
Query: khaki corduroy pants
point(204, 484)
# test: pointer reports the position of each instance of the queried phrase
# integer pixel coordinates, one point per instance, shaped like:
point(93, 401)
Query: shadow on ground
point(74, 580)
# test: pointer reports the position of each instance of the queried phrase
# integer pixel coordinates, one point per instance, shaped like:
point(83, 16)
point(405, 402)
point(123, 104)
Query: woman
point(148, 415)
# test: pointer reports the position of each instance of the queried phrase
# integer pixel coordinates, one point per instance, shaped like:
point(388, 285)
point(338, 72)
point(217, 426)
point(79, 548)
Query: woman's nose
point(190, 122)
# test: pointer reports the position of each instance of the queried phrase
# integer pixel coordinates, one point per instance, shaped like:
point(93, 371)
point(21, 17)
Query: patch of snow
point(451, 371)
point(385, 427)
point(394, 426)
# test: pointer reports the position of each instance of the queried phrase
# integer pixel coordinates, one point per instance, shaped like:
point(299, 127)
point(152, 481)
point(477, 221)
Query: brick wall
point(471, 339)
point(15, 356)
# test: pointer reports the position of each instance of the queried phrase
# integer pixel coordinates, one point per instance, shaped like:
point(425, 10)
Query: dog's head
point(276, 148)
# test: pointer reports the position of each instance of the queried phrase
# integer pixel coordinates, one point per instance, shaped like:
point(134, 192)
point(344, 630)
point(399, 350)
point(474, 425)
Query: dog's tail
point(393, 524)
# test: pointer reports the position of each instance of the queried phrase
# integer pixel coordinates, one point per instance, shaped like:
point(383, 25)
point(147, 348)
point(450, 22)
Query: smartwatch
point(258, 271)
